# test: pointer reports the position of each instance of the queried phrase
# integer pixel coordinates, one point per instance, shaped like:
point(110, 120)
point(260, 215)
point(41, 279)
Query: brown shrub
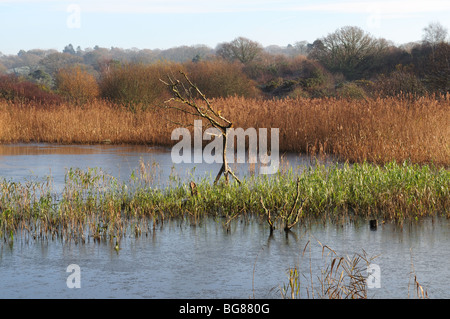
point(399, 82)
point(77, 85)
point(283, 76)
point(220, 78)
point(17, 90)
point(136, 86)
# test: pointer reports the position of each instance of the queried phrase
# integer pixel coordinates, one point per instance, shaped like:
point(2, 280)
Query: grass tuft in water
point(95, 205)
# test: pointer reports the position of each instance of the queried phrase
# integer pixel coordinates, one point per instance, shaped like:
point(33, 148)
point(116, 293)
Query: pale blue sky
point(52, 24)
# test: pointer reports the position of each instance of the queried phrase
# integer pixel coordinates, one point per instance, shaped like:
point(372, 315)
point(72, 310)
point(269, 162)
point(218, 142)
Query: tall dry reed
point(97, 122)
point(376, 130)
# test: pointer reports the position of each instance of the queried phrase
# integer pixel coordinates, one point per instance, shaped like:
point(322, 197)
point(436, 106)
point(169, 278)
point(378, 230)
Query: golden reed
point(377, 130)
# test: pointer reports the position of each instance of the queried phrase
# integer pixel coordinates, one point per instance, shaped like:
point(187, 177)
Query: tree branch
point(187, 99)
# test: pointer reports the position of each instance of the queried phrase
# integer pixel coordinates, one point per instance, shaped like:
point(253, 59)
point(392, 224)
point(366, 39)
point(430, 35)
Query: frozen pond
point(183, 261)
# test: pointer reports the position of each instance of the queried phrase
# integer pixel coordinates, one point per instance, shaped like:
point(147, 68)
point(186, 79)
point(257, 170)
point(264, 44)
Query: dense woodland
point(348, 63)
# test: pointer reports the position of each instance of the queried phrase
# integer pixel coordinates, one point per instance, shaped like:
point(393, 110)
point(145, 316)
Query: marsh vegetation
point(95, 206)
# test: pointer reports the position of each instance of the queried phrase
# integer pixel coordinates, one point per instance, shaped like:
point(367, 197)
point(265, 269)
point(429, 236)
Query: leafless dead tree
point(190, 100)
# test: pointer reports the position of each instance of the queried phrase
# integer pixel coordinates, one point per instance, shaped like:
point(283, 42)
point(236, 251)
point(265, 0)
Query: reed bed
point(375, 130)
point(93, 124)
point(96, 206)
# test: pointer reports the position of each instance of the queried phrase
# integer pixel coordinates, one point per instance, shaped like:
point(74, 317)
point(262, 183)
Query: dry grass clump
point(375, 130)
point(342, 277)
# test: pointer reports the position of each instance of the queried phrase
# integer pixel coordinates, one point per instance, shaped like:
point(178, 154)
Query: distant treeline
point(348, 63)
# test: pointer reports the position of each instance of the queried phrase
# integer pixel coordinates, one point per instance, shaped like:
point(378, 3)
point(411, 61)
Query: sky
point(157, 24)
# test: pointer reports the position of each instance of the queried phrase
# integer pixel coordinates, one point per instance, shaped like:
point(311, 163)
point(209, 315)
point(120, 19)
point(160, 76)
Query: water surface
point(182, 261)
point(204, 261)
point(22, 162)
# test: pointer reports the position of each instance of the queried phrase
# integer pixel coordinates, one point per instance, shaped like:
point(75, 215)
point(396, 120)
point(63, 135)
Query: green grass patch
point(94, 205)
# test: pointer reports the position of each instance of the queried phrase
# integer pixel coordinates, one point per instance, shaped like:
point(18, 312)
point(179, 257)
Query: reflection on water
point(25, 161)
point(182, 261)
point(22, 162)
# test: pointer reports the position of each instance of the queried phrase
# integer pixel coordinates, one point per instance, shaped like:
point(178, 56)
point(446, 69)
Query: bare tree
point(349, 50)
point(190, 100)
point(301, 47)
point(434, 33)
point(241, 49)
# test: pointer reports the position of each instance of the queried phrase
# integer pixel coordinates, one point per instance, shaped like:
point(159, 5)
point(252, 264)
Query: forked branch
point(289, 217)
point(292, 219)
point(187, 94)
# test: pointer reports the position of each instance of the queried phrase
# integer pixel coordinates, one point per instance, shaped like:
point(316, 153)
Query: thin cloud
point(395, 7)
point(387, 7)
point(230, 6)
point(177, 6)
